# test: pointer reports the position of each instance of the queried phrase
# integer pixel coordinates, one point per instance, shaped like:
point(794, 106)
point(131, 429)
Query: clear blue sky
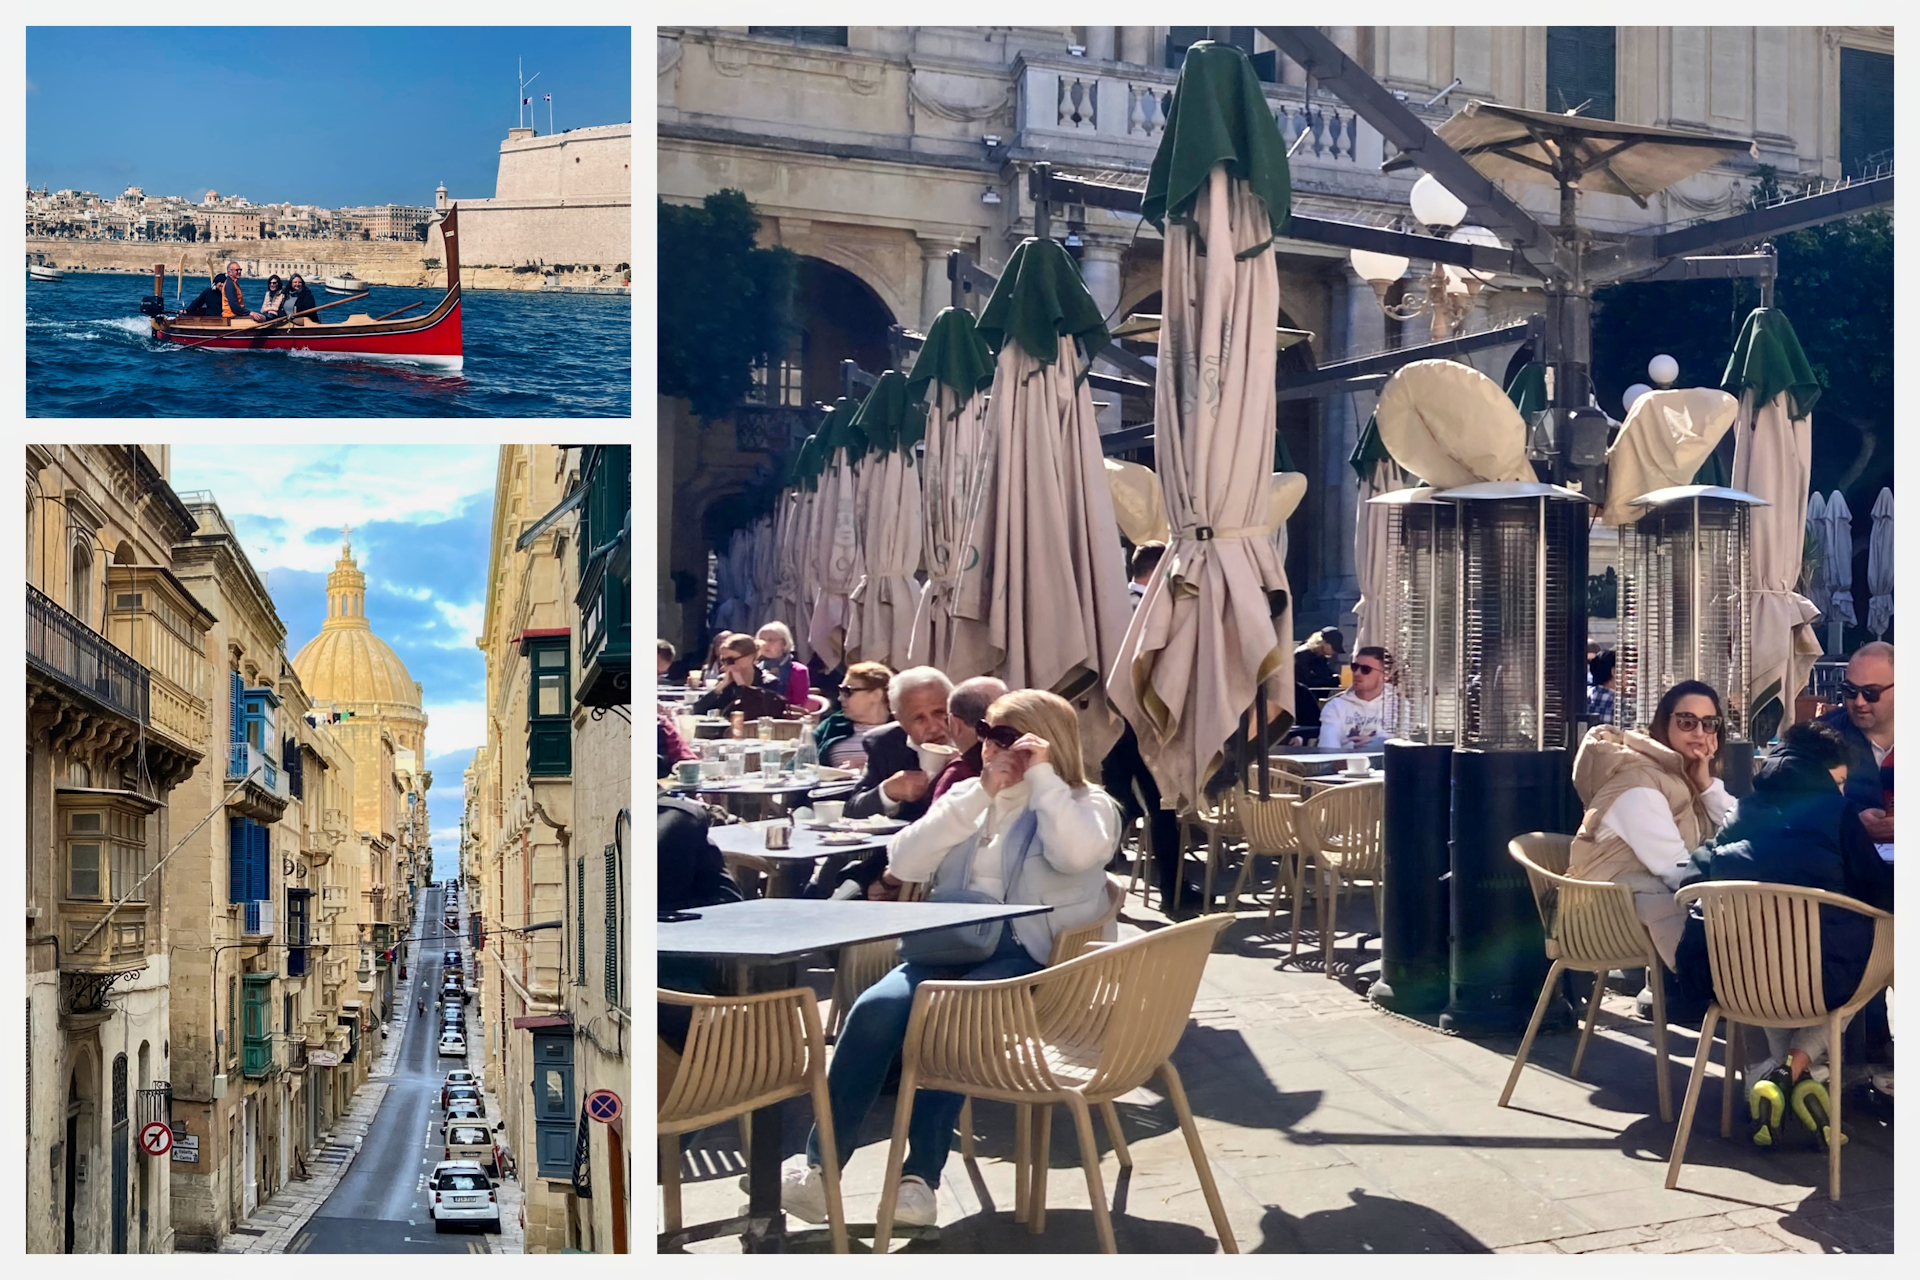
point(330, 116)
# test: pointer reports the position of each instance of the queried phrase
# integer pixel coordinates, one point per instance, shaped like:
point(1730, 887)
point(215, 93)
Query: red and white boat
point(432, 340)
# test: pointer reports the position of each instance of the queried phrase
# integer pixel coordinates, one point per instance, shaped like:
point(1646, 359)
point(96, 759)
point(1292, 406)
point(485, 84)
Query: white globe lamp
point(1633, 394)
point(1479, 236)
point(1434, 205)
point(1663, 369)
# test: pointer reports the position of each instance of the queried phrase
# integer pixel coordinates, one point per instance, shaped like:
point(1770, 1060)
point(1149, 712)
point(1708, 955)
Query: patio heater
point(1519, 570)
point(1422, 622)
point(1683, 608)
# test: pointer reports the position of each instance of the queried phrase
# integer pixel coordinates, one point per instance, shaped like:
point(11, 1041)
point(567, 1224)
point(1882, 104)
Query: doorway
point(120, 1170)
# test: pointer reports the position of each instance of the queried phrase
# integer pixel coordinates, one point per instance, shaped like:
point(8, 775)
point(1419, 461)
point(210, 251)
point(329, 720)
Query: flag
point(549, 97)
point(526, 101)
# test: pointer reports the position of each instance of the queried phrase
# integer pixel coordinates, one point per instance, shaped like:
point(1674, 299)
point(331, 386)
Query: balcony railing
point(256, 918)
point(333, 821)
point(243, 758)
point(73, 654)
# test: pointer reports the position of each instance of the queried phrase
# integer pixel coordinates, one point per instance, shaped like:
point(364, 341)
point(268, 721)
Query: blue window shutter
point(237, 703)
point(257, 884)
point(237, 859)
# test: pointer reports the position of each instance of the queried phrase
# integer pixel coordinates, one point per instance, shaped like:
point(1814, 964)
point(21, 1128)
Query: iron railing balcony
point(257, 918)
point(74, 655)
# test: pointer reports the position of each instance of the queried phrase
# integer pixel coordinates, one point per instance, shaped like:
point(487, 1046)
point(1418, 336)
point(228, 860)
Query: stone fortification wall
point(564, 200)
point(388, 262)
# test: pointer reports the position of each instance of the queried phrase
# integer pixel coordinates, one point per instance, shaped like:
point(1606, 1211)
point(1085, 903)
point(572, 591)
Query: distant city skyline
point(333, 117)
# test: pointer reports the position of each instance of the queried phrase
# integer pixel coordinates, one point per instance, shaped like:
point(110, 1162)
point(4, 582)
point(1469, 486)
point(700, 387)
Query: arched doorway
point(840, 318)
point(120, 1153)
point(79, 1164)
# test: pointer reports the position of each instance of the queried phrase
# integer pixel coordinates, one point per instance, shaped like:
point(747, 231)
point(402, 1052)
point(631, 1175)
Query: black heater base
point(1413, 935)
point(1497, 955)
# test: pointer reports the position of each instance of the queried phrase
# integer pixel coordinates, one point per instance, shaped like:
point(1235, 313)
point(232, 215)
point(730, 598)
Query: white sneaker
point(916, 1205)
point(803, 1190)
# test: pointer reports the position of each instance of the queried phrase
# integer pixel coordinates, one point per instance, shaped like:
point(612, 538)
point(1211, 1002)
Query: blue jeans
point(876, 1028)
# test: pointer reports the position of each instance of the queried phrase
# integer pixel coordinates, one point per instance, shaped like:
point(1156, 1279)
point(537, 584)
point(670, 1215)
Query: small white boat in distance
point(345, 283)
point(37, 272)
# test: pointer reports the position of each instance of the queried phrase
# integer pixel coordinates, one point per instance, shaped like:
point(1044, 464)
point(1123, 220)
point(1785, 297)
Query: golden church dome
point(346, 663)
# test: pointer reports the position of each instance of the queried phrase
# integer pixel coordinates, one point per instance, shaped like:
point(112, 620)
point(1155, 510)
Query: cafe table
point(791, 865)
point(759, 945)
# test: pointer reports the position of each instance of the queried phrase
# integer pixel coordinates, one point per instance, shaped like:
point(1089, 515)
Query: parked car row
point(463, 1183)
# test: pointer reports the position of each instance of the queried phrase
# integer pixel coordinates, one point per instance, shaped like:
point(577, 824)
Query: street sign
point(155, 1138)
point(322, 1058)
point(603, 1105)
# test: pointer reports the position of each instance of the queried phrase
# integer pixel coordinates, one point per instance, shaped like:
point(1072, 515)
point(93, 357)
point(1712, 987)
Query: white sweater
point(1641, 818)
point(1078, 830)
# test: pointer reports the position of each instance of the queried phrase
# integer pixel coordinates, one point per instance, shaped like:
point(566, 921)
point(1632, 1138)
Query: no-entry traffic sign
point(603, 1105)
point(156, 1139)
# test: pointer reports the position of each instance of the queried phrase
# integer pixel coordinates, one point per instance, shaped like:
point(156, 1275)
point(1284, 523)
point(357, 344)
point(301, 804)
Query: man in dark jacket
point(1314, 668)
point(894, 783)
point(692, 875)
point(1796, 828)
point(744, 686)
point(1864, 721)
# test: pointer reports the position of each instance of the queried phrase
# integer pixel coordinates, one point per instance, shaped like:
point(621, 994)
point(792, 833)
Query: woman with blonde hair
point(1029, 829)
point(776, 655)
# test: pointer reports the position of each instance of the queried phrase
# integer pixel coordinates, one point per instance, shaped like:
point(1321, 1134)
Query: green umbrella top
point(890, 419)
point(1528, 390)
point(1368, 451)
point(1218, 114)
point(1039, 300)
point(954, 356)
point(841, 430)
point(1768, 360)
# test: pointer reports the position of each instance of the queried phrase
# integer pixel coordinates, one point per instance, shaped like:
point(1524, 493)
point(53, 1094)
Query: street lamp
point(1448, 293)
point(1663, 370)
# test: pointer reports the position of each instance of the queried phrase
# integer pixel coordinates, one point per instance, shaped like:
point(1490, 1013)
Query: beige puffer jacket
point(1611, 762)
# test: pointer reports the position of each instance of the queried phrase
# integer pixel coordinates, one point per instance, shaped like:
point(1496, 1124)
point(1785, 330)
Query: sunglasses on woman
point(1871, 692)
point(1687, 722)
point(1000, 735)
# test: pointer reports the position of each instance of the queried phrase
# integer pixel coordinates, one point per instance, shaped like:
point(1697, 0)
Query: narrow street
point(380, 1205)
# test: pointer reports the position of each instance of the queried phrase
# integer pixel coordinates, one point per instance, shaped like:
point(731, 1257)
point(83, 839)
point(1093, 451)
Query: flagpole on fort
point(520, 117)
point(549, 115)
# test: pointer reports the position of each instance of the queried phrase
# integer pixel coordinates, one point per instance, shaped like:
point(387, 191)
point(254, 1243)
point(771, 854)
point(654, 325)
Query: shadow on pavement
point(1371, 1224)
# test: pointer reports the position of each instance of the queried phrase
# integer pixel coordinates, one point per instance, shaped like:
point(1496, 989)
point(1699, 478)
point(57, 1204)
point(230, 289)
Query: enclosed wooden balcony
point(154, 619)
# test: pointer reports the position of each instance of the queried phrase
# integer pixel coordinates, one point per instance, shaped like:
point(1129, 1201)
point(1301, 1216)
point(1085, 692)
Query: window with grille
point(580, 921)
point(777, 383)
point(1580, 69)
point(610, 911)
point(1866, 110)
point(804, 35)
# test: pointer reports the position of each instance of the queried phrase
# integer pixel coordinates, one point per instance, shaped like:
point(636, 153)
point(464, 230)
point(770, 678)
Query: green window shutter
point(1580, 69)
point(610, 911)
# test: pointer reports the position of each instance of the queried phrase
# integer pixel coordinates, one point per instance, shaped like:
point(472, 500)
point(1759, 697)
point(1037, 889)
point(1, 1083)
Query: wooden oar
point(397, 310)
point(229, 333)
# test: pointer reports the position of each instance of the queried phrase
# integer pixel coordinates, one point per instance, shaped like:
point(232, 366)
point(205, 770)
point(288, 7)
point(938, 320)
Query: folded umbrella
point(1880, 567)
point(952, 375)
point(880, 626)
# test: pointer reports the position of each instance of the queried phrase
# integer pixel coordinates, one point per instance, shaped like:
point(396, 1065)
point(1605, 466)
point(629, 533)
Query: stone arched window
point(80, 581)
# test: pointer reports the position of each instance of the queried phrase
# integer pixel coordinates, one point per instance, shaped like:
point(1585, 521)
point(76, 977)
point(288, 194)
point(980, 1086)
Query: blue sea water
point(528, 355)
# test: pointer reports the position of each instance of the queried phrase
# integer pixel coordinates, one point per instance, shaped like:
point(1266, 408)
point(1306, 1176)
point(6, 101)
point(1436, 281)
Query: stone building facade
point(560, 200)
point(117, 709)
point(874, 151)
point(546, 834)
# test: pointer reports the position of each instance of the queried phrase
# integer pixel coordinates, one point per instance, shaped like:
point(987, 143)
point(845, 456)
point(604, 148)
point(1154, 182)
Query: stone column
point(1100, 43)
point(1136, 45)
point(1359, 327)
point(1100, 268)
point(936, 292)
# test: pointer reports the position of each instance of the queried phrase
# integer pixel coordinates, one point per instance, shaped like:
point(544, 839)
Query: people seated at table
point(716, 660)
point(743, 686)
point(776, 654)
point(1798, 827)
point(663, 655)
point(673, 747)
point(1650, 798)
point(1313, 670)
point(1363, 717)
point(1864, 720)
point(894, 783)
point(1600, 691)
point(841, 736)
point(1029, 829)
point(1140, 567)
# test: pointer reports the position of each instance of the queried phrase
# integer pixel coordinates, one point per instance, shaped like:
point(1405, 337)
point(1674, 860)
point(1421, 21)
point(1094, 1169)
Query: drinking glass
point(735, 766)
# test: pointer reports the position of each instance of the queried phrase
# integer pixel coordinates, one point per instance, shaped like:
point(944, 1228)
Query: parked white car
point(453, 1045)
point(462, 1192)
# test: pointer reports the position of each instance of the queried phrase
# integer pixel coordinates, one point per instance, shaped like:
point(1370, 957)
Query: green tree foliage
point(723, 303)
point(1835, 284)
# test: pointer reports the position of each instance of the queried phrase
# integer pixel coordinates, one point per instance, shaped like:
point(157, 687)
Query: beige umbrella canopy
point(1452, 425)
point(1666, 438)
point(880, 628)
point(952, 374)
point(1048, 570)
point(1138, 504)
point(1604, 156)
point(761, 592)
point(834, 541)
point(1772, 459)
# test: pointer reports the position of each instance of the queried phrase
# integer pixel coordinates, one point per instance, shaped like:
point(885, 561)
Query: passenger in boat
point(207, 304)
point(275, 304)
point(233, 304)
point(300, 298)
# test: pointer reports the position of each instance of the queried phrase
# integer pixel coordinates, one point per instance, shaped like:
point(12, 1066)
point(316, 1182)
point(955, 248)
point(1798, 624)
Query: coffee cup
point(829, 810)
point(1358, 765)
point(934, 757)
point(687, 772)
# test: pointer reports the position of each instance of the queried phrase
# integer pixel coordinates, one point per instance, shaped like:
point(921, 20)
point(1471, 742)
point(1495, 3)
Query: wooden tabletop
point(767, 931)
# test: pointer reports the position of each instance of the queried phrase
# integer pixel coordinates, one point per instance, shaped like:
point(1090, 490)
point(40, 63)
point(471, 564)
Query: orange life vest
point(230, 301)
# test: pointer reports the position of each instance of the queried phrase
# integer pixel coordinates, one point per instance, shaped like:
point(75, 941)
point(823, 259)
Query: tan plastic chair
point(1339, 828)
point(864, 963)
point(1763, 943)
point(744, 1053)
point(1592, 928)
point(1142, 872)
point(1079, 1034)
point(1267, 826)
point(1222, 825)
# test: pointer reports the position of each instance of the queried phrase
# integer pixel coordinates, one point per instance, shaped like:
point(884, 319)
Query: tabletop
point(780, 930)
point(1320, 763)
point(750, 837)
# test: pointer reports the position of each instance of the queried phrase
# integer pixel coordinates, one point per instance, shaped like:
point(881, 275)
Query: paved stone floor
point(1335, 1127)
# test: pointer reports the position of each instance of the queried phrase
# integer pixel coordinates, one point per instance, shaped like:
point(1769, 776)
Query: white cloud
point(455, 726)
point(464, 619)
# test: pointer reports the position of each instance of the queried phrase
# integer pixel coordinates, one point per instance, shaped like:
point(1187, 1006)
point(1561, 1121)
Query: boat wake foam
point(437, 364)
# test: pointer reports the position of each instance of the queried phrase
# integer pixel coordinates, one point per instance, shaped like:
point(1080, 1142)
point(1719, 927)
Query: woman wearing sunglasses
point(1651, 798)
point(1029, 829)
